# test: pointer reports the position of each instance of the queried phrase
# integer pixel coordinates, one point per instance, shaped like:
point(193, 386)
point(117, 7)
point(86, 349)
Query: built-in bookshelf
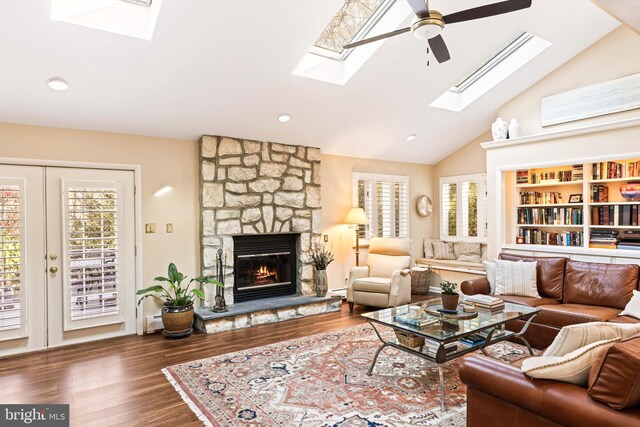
point(579, 205)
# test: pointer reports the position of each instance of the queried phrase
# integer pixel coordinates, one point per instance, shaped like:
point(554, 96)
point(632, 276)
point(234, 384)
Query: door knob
point(53, 257)
point(53, 269)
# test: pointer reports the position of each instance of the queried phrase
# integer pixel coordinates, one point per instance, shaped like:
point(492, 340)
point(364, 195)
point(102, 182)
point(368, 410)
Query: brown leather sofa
point(500, 395)
point(572, 292)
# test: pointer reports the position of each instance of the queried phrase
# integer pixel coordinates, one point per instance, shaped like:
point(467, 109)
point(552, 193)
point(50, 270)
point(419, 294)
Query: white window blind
point(385, 200)
point(463, 208)
point(93, 252)
point(11, 238)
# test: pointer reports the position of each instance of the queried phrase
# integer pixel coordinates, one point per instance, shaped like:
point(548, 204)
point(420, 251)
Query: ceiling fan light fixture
point(428, 28)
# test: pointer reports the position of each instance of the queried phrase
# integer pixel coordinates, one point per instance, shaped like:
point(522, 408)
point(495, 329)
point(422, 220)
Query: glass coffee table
point(440, 342)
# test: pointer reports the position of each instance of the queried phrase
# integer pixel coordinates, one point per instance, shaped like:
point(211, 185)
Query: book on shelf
point(614, 170)
point(603, 239)
point(522, 177)
point(420, 322)
point(624, 215)
point(599, 193)
point(538, 198)
point(577, 172)
point(551, 177)
point(533, 236)
point(550, 216)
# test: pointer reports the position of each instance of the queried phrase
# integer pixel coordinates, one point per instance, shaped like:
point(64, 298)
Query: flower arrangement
point(321, 257)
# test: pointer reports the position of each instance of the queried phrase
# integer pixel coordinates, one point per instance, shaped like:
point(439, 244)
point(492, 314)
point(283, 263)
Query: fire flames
point(265, 276)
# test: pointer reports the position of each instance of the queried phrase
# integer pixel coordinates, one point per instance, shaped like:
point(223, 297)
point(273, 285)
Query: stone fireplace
point(258, 189)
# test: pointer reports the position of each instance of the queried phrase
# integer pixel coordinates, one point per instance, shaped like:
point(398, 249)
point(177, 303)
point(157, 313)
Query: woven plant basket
point(408, 339)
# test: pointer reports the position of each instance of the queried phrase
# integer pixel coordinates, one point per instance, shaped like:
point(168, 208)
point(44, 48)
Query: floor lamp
point(357, 217)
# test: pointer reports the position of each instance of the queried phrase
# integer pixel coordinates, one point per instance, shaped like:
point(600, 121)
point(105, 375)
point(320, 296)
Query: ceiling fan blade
point(486, 11)
point(376, 38)
point(419, 7)
point(439, 48)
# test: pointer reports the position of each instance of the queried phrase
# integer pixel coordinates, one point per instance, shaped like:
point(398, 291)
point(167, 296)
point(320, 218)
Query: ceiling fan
point(428, 24)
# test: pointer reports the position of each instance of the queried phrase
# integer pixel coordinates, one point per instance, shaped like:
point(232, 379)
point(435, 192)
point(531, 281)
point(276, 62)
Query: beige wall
point(164, 162)
point(613, 56)
point(337, 200)
point(467, 160)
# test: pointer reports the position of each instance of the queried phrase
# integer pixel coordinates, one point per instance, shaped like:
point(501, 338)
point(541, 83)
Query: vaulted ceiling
point(225, 67)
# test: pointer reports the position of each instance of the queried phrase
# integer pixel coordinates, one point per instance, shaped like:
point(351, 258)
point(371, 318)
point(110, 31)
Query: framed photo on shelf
point(575, 198)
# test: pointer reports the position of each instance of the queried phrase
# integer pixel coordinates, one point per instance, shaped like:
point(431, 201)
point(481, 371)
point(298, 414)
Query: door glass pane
point(93, 252)
point(10, 257)
point(470, 209)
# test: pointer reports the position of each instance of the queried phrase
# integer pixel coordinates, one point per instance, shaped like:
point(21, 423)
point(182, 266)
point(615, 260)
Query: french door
point(67, 248)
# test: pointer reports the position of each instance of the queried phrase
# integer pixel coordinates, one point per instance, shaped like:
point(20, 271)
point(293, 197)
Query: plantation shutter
point(385, 200)
point(463, 207)
point(449, 213)
point(11, 257)
point(93, 218)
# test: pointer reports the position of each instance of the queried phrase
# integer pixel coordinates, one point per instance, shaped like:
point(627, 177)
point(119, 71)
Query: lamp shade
point(357, 216)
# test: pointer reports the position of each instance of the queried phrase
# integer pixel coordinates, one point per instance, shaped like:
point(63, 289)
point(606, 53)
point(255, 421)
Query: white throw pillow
point(428, 248)
point(633, 307)
point(572, 368)
point(516, 278)
point(490, 267)
point(573, 337)
point(443, 250)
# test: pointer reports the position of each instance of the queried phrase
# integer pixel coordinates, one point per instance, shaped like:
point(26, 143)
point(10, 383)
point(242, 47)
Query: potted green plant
point(177, 301)
point(321, 258)
point(449, 296)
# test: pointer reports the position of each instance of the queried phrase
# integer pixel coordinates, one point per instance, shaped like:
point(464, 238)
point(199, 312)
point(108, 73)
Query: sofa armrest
point(479, 285)
point(561, 402)
point(405, 271)
point(355, 273)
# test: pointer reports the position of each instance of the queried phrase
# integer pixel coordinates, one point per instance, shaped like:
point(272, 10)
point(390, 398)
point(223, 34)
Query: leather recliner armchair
point(386, 280)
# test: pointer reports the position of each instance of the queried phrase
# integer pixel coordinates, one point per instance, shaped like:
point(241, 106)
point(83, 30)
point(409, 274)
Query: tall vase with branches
point(321, 257)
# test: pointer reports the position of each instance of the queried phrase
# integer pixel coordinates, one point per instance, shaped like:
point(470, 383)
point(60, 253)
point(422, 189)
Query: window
point(463, 208)
point(385, 199)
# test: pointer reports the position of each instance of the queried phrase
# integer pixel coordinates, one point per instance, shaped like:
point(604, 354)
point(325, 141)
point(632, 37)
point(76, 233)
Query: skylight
point(491, 72)
point(133, 18)
point(352, 22)
point(356, 19)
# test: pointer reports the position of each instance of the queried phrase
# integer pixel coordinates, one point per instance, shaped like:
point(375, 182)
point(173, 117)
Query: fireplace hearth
point(265, 266)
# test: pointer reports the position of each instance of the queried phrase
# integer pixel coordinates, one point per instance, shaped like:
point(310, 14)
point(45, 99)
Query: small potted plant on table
point(177, 301)
point(321, 258)
point(449, 296)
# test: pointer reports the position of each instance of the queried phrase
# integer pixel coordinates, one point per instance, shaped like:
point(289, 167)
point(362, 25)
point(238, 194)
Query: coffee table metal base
point(419, 353)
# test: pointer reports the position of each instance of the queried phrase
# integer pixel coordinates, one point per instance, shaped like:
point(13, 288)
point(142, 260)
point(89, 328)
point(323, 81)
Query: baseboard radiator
point(154, 323)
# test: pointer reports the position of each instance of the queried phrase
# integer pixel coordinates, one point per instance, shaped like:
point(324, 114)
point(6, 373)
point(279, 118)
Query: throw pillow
point(469, 249)
point(633, 307)
point(490, 267)
point(615, 376)
point(443, 250)
point(572, 368)
point(573, 337)
point(516, 278)
point(428, 248)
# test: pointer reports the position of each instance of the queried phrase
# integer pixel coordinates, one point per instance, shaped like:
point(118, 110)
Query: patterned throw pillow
point(470, 249)
point(573, 337)
point(443, 250)
point(428, 247)
point(633, 307)
point(516, 278)
point(573, 367)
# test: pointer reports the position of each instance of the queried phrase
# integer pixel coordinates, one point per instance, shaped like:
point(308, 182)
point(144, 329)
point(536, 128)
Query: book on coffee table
point(419, 322)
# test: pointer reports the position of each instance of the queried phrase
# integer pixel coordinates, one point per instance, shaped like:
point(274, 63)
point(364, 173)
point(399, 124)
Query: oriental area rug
point(321, 380)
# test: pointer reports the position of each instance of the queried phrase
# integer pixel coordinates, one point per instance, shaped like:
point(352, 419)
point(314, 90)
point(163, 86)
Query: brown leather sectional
point(499, 394)
point(572, 292)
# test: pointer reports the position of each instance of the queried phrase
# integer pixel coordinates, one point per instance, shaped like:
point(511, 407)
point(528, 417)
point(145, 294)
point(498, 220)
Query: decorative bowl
point(631, 191)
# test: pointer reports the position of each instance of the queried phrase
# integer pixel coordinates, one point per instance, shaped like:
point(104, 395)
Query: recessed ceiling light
point(284, 118)
point(163, 190)
point(56, 83)
point(411, 137)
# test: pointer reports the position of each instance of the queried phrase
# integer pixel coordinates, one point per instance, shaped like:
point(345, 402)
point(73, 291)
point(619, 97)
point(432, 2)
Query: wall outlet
point(169, 228)
point(326, 238)
point(150, 228)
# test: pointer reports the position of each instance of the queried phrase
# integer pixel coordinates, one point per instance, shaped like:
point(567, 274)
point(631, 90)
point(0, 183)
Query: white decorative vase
point(499, 130)
point(514, 129)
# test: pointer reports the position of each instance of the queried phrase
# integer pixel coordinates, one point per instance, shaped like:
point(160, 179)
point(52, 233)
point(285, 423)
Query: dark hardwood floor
point(119, 382)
